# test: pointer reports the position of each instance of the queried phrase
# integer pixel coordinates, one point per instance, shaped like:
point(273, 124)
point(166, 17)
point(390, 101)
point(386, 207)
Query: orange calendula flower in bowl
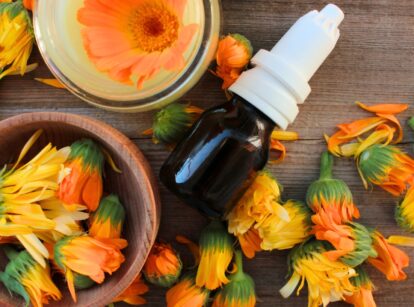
point(136, 39)
point(82, 177)
point(163, 266)
point(362, 297)
point(91, 257)
point(233, 55)
point(107, 221)
point(132, 295)
point(187, 294)
point(216, 252)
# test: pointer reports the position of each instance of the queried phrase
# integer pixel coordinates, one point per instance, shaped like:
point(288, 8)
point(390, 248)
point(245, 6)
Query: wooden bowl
point(136, 187)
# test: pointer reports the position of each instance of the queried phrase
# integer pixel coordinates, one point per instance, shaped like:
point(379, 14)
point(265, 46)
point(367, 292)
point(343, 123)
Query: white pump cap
point(280, 79)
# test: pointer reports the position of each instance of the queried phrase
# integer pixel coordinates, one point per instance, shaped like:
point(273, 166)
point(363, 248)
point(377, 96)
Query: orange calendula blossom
point(132, 295)
point(187, 294)
point(163, 265)
point(82, 177)
point(91, 257)
point(233, 55)
point(136, 38)
point(362, 296)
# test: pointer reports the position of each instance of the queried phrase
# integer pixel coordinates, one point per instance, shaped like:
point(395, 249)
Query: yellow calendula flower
point(16, 39)
point(280, 234)
point(216, 251)
point(260, 201)
point(404, 212)
point(327, 281)
point(239, 291)
point(363, 296)
point(25, 277)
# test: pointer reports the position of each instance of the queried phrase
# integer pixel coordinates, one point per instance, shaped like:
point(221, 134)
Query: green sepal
point(326, 187)
point(166, 281)
point(171, 123)
point(361, 279)
point(82, 282)
point(245, 42)
point(215, 237)
point(303, 209)
point(241, 287)
point(90, 153)
point(57, 254)
point(14, 286)
point(305, 250)
point(13, 9)
point(110, 208)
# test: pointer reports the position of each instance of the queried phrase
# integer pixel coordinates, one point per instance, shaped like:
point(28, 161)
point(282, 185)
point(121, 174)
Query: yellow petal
point(52, 82)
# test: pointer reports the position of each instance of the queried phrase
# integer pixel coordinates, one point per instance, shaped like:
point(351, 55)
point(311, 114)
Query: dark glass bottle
point(223, 150)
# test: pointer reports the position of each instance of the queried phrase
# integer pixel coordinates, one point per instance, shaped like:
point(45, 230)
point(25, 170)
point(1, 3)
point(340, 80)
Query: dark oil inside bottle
point(221, 154)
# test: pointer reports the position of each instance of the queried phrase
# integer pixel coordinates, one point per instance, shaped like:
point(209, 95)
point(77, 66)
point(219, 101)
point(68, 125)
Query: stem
point(326, 166)
point(239, 263)
point(10, 252)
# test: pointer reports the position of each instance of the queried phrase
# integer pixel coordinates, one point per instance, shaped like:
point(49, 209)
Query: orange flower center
point(153, 27)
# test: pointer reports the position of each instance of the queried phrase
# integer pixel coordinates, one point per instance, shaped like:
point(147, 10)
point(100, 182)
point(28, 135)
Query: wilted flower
point(327, 281)
point(132, 295)
point(163, 265)
point(239, 291)
point(82, 180)
point(329, 196)
point(108, 220)
point(279, 234)
point(172, 122)
point(216, 250)
point(92, 257)
point(16, 38)
point(187, 293)
point(362, 297)
point(404, 212)
point(137, 39)
point(233, 55)
point(25, 277)
point(390, 260)
point(387, 167)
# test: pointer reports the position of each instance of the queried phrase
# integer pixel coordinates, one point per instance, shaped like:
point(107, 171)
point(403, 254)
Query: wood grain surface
point(373, 62)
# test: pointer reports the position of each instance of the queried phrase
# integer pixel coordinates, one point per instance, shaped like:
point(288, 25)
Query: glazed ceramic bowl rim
point(110, 135)
point(182, 85)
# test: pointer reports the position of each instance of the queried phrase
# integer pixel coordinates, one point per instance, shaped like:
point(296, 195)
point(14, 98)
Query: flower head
point(279, 234)
point(327, 281)
point(387, 167)
point(172, 122)
point(108, 220)
point(132, 294)
point(261, 200)
point(163, 265)
point(239, 291)
point(82, 182)
point(404, 212)
point(216, 250)
point(16, 40)
point(331, 196)
point(187, 294)
point(136, 39)
point(25, 277)
point(362, 297)
point(92, 257)
point(233, 55)
point(390, 260)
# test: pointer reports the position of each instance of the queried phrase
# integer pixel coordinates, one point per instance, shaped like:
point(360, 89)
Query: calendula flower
point(239, 291)
point(261, 200)
point(362, 297)
point(327, 281)
point(163, 265)
point(25, 277)
point(82, 180)
point(216, 250)
point(233, 55)
point(250, 243)
point(16, 38)
point(390, 260)
point(388, 167)
point(108, 220)
point(137, 38)
point(172, 122)
point(92, 257)
point(279, 234)
point(352, 241)
point(132, 294)
point(22, 187)
point(404, 212)
point(187, 294)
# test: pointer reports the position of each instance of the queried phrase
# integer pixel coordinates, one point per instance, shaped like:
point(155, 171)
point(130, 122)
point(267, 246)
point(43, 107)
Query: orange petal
point(280, 149)
point(360, 126)
point(92, 191)
point(52, 82)
point(386, 108)
point(396, 122)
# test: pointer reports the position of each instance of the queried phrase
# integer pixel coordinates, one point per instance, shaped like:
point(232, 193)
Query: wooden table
point(373, 62)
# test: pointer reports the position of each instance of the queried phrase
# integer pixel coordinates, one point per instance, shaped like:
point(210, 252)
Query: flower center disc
point(153, 26)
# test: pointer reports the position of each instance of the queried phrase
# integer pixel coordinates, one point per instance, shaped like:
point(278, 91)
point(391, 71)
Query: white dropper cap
point(280, 79)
